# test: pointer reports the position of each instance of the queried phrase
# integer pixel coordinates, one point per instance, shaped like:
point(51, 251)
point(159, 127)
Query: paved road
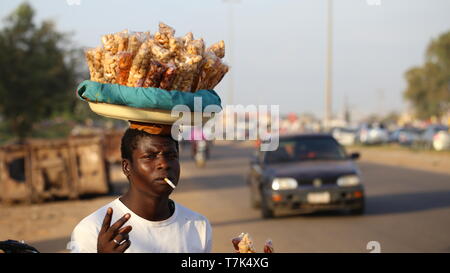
point(407, 210)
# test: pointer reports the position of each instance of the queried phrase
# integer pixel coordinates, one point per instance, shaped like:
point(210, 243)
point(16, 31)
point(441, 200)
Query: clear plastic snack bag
point(218, 49)
point(110, 43)
point(124, 62)
point(268, 246)
point(139, 67)
point(208, 71)
point(168, 77)
point(244, 244)
point(135, 41)
point(222, 69)
point(195, 47)
point(94, 59)
point(159, 53)
point(122, 39)
point(164, 34)
point(110, 67)
point(155, 74)
point(188, 67)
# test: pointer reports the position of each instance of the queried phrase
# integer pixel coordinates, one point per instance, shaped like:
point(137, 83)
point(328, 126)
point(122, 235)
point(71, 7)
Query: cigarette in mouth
point(169, 182)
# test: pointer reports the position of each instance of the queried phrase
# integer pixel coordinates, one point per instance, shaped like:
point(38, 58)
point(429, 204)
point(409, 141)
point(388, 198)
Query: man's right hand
point(113, 239)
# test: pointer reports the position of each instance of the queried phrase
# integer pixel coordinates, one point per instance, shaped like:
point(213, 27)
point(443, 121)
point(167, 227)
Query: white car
point(433, 135)
point(345, 136)
point(441, 141)
point(373, 134)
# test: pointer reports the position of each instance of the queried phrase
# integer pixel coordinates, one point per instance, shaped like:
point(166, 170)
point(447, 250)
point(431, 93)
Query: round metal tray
point(141, 114)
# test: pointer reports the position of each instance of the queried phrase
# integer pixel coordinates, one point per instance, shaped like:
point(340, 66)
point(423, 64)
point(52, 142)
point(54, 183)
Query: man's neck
point(148, 207)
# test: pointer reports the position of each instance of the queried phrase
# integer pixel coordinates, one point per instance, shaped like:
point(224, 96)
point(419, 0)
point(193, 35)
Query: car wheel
point(358, 211)
point(254, 202)
point(266, 212)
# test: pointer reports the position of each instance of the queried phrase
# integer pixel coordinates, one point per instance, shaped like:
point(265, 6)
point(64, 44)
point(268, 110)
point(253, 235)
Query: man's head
point(147, 159)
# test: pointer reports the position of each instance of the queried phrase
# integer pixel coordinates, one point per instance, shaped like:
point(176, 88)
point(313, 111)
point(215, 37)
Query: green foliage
point(39, 70)
point(429, 85)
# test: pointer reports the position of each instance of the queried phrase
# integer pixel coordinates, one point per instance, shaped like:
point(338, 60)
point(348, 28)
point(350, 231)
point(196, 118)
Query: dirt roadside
point(424, 160)
point(431, 161)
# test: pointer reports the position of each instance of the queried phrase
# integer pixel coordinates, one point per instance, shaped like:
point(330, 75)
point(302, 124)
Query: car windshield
point(306, 148)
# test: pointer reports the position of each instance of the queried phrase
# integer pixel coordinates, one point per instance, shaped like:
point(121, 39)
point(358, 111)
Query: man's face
point(154, 158)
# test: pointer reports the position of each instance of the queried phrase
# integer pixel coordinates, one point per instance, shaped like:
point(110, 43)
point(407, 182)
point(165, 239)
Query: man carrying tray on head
point(145, 219)
point(138, 76)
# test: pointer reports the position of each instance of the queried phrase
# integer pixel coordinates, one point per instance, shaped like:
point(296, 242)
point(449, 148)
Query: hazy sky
point(280, 45)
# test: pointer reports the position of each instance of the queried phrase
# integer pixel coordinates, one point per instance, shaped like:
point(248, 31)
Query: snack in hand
point(268, 246)
point(244, 244)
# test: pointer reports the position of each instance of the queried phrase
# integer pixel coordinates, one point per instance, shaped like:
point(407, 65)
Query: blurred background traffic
point(363, 89)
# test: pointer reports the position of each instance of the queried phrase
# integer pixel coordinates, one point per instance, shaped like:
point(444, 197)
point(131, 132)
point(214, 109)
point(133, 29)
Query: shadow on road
point(407, 202)
point(279, 217)
point(210, 182)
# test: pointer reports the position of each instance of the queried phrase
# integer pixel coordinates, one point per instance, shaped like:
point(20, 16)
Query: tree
point(429, 85)
point(38, 71)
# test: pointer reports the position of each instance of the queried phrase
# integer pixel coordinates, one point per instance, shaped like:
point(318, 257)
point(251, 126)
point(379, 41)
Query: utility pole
point(329, 64)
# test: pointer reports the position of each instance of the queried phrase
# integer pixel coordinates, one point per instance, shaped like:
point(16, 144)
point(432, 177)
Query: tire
point(358, 211)
point(266, 212)
point(254, 202)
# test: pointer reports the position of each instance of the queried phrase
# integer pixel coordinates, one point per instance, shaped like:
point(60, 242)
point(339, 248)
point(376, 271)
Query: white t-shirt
point(184, 232)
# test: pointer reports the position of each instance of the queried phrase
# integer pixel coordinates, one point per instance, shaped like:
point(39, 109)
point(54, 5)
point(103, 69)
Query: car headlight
point(284, 183)
point(348, 181)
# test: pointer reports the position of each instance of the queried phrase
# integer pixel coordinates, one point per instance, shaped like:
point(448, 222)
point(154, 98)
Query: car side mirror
point(354, 156)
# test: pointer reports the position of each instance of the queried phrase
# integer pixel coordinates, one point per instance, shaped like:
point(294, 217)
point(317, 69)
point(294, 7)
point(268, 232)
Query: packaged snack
point(168, 77)
point(164, 34)
point(122, 40)
point(138, 59)
point(159, 53)
point(176, 47)
point(124, 60)
point(166, 30)
point(246, 244)
point(222, 69)
point(196, 47)
point(208, 71)
point(135, 41)
point(235, 242)
point(139, 66)
point(155, 74)
point(94, 58)
point(218, 49)
point(110, 43)
point(110, 67)
point(187, 69)
point(268, 246)
point(187, 38)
